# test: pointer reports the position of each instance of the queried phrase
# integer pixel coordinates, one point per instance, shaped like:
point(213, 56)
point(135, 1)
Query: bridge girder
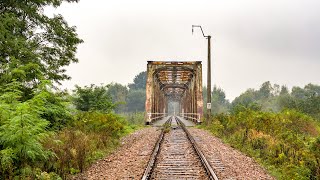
point(178, 81)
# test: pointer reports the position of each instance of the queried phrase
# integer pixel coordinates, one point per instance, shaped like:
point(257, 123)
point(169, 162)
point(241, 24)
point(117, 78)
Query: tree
point(284, 91)
point(136, 97)
point(265, 90)
point(298, 92)
point(245, 99)
point(219, 102)
point(139, 82)
point(93, 98)
point(56, 109)
point(33, 46)
point(118, 94)
point(21, 133)
point(136, 100)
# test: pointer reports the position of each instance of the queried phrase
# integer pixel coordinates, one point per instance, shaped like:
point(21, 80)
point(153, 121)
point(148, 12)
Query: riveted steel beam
point(179, 81)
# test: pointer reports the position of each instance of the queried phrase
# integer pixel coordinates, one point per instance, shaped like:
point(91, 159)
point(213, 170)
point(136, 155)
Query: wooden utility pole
point(209, 80)
point(208, 74)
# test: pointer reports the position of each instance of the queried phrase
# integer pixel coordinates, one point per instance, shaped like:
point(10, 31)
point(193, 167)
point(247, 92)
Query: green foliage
point(93, 98)
point(166, 127)
point(265, 90)
point(135, 119)
point(56, 109)
point(108, 125)
point(90, 136)
point(306, 100)
point(21, 133)
point(287, 141)
point(33, 46)
point(136, 100)
point(34, 49)
point(136, 96)
point(139, 81)
point(118, 94)
point(219, 103)
point(272, 98)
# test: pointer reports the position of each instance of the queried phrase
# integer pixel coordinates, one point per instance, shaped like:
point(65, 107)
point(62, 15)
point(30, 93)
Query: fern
point(21, 132)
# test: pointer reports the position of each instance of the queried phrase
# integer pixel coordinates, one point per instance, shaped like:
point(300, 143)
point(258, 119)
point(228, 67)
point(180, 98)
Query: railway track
point(177, 156)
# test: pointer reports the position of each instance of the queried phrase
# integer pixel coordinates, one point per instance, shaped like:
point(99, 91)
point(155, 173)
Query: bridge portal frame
point(177, 80)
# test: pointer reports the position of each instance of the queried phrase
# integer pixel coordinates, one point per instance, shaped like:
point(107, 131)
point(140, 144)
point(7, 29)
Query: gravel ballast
point(129, 161)
point(228, 162)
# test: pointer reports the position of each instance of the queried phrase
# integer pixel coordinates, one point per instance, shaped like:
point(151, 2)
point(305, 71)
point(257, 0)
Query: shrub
point(288, 141)
point(22, 131)
point(90, 136)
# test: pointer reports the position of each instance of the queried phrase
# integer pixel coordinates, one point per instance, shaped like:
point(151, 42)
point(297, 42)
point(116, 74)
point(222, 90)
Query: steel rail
point(203, 159)
point(155, 152)
point(151, 164)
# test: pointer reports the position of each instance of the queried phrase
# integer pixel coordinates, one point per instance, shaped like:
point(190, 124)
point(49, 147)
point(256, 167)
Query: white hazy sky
point(253, 41)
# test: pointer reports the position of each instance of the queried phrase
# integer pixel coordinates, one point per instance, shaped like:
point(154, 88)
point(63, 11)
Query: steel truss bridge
point(174, 81)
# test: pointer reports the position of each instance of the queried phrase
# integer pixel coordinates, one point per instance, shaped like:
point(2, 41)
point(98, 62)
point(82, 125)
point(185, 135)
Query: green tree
point(93, 98)
point(265, 90)
point(219, 102)
point(33, 46)
point(306, 100)
point(245, 98)
point(56, 109)
point(118, 94)
point(284, 91)
point(298, 92)
point(139, 81)
point(136, 96)
point(21, 133)
point(136, 100)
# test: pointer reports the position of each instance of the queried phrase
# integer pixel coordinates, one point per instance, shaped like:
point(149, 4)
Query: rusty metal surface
point(174, 81)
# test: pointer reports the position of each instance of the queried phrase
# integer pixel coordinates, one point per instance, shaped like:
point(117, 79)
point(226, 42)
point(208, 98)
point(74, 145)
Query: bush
point(90, 136)
point(22, 131)
point(288, 141)
point(135, 119)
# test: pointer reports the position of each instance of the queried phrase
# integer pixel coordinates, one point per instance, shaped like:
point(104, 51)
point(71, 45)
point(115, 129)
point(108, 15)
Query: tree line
point(269, 98)
point(113, 97)
point(278, 127)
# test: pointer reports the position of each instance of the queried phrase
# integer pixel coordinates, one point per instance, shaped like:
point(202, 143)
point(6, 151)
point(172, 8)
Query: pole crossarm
point(198, 26)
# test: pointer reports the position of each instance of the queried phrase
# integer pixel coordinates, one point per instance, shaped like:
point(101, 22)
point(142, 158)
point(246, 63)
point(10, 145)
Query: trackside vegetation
point(278, 128)
point(286, 143)
point(47, 133)
point(47, 137)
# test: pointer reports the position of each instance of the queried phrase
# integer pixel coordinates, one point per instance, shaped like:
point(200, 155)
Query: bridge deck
point(162, 121)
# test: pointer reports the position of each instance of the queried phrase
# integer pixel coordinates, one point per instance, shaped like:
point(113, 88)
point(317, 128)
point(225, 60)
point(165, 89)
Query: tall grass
point(88, 138)
point(287, 143)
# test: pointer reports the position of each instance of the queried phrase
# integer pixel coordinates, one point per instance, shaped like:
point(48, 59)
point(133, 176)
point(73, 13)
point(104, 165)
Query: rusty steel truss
point(174, 81)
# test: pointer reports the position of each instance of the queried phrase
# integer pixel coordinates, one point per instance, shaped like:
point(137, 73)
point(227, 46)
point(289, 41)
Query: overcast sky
point(253, 41)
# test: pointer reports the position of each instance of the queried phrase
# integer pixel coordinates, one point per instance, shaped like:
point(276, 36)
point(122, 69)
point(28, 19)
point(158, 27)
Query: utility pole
point(208, 73)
